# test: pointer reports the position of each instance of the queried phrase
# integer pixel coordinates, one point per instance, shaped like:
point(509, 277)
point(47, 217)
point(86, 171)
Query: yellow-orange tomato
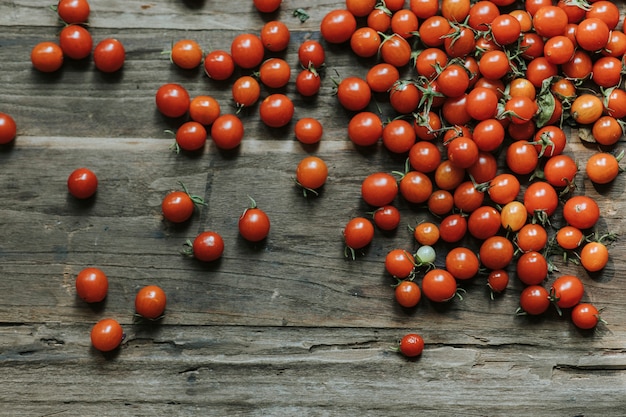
point(586, 109)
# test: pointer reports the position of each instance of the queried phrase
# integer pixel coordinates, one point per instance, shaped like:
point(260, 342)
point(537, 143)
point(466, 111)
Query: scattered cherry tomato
point(172, 100)
point(186, 53)
point(411, 345)
point(150, 302)
point(308, 130)
point(227, 131)
point(387, 218)
point(534, 300)
point(267, 6)
point(92, 285)
point(276, 110)
point(594, 256)
point(219, 65)
point(567, 291)
point(208, 246)
point(357, 234)
point(254, 223)
point(379, 189)
point(178, 206)
point(75, 42)
point(109, 55)
point(438, 285)
point(581, 212)
point(8, 128)
point(337, 26)
point(247, 50)
point(275, 36)
point(585, 316)
point(82, 183)
point(399, 263)
point(311, 173)
point(73, 11)
point(46, 56)
point(204, 109)
point(107, 335)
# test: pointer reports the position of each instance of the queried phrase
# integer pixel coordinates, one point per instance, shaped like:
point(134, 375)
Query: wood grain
point(281, 328)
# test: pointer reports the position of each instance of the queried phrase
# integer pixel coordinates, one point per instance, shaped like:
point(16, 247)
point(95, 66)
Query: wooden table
point(287, 327)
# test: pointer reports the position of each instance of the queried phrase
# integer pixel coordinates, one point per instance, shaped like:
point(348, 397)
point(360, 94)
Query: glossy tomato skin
point(462, 263)
point(411, 345)
point(267, 6)
point(311, 54)
point(308, 83)
point(276, 110)
point(353, 93)
point(439, 286)
point(246, 91)
point(567, 291)
point(107, 335)
point(82, 183)
point(496, 252)
point(337, 26)
point(275, 36)
point(399, 263)
point(532, 268)
point(178, 206)
point(308, 130)
point(247, 50)
point(172, 100)
point(254, 224)
point(227, 131)
point(387, 218)
point(208, 246)
point(186, 54)
point(408, 294)
point(534, 300)
point(109, 55)
point(150, 302)
point(73, 11)
point(602, 168)
point(92, 285)
point(379, 189)
point(46, 56)
point(219, 65)
point(581, 212)
point(311, 172)
point(204, 109)
point(358, 233)
point(75, 41)
point(365, 128)
point(585, 316)
point(191, 136)
point(594, 256)
point(8, 128)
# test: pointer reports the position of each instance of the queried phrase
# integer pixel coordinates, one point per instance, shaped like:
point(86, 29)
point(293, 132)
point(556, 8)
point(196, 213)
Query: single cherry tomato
point(484, 222)
point(594, 256)
point(467, 197)
point(404, 97)
point(462, 263)
point(602, 167)
point(276, 110)
point(424, 156)
point(387, 218)
point(311, 54)
point(353, 93)
point(379, 189)
point(208, 246)
point(82, 183)
point(504, 188)
point(585, 316)
point(497, 281)
point(178, 206)
point(462, 152)
point(172, 100)
point(496, 252)
point(275, 72)
point(408, 294)
point(534, 300)
point(360, 8)
point(308, 82)
point(607, 130)
point(365, 42)
point(190, 136)
point(150, 302)
point(415, 187)
point(438, 285)
point(92, 285)
point(365, 128)
point(592, 34)
point(567, 291)
point(75, 41)
point(440, 202)
point(399, 263)
point(379, 19)
point(275, 36)
point(586, 108)
point(46, 56)
point(560, 170)
point(581, 212)
point(532, 237)
point(73, 11)
point(219, 65)
point(308, 130)
point(569, 237)
point(311, 173)
point(245, 91)
point(254, 223)
point(337, 26)
point(267, 6)
point(404, 23)
point(398, 136)
point(247, 50)
point(204, 109)
point(357, 234)
point(513, 216)
point(522, 157)
point(448, 176)
point(395, 50)
point(8, 128)
point(107, 335)
point(109, 55)
point(227, 131)
point(550, 21)
point(186, 53)
point(426, 233)
point(531, 268)
point(411, 345)
point(453, 228)
point(540, 199)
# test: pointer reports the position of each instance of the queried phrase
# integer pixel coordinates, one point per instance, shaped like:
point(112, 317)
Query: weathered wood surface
point(283, 328)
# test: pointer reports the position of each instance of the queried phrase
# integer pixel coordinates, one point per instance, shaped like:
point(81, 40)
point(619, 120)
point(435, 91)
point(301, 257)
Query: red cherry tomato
point(92, 285)
point(191, 136)
point(399, 263)
point(227, 131)
point(585, 316)
point(308, 130)
point(275, 36)
point(254, 224)
point(534, 300)
point(438, 285)
point(247, 50)
point(172, 100)
point(581, 212)
point(311, 173)
point(337, 26)
point(75, 41)
point(408, 294)
point(82, 183)
point(186, 53)
point(107, 335)
point(150, 302)
point(207, 246)
point(8, 128)
point(73, 11)
point(219, 65)
point(46, 56)
point(109, 55)
point(379, 189)
point(276, 110)
point(567, 291)
point(411, 345)
point(357, 234)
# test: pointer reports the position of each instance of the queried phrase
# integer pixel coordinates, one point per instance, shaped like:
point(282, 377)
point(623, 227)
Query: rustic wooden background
point(287, 327)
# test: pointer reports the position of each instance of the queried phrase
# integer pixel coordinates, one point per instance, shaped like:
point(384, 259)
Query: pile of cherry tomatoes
point(482, 97)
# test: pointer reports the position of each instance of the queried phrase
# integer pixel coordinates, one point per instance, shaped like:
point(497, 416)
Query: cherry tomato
point(109, 55)
point(245, 91)
point(567, 291)
point(462, 152)
point(459, 42)
point(438, 285)
point(586, 108)
point(513, 216)
point(488, 133)
point(365, 128)
point(522, 157)
point(395, 50)
point(594, 256)
point(467, 197)
point(539, 69)
point(360, 8)
point(186, 54)
point(8, 128)
point(615, 103)
point(433, 30)
point(227, 131)
point(379, 189)
point(453, 228)
point(150, 302)
point(46, 56)
point(448, 176)
point(178, 206)
point(532, 268)
point(503, 188)
point(382, 77)
point(494, 64)
point(92, 285)
point(505, 29)
point(404, 97)
point(399, 263)
point(497, 281)
point(534, 300)
point(172, 100)
point(585, 316)
point(308, 130)
point(379, 19)
point(482, 104)
point(455, 10)
point(426, 233)
point(411, 345)
point(387, 218)
point(481, 14)
point(569, 237)
point(540, 199)
point(311, 173)
point(254, 223)
point(404, 23)
point(398, 136)
point(107, 335)
point(208, 246)
point(408, 294)
point(496, 252)
point(358, 233)
point(560, 170)
point(607, 130)
point(581, 212)
point(462, 263)
point(73, 11)
point(532, 237)
point(607, 72)
point(592, 34)
point(311, 54)
point(219, 65)
point(275, 36)
point(191, 136)
point(247, 50)
point(485, 169)
point(424, 156)
point(415, 187)
point(276, 110)
point(484, 222)
point(427, 61)
point(308, 83)
point(337, 26)
point(275, 72)
point(365, 42)
point(82, 183)
point(267, 6)
point(204, 109)
point(602, 167)
point(353, 93)
point(550, 21)
point(75, 42)
point(427, 127)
